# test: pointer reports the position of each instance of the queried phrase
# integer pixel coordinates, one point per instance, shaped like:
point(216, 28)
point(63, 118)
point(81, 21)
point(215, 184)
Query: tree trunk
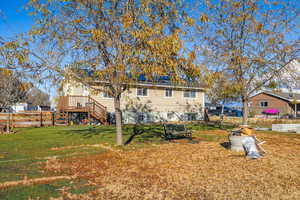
point(245, 111)
point(295, 110)
point(118, 114)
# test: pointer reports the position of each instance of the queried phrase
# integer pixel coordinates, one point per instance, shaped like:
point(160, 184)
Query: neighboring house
point(38, 108)
point(22, 107)
point(285, 102)
point(19, 107)
point(142, 102)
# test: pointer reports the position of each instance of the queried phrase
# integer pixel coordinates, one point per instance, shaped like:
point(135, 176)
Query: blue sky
point(15, 18)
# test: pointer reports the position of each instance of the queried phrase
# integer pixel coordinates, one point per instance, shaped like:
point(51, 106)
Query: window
point(189, 93)
point(170, 115)
point(106, 95)
point(143, 117)
point(142, 92)
point(169, 92)
point(191, 116)
point(263, 104)
point(140, 117)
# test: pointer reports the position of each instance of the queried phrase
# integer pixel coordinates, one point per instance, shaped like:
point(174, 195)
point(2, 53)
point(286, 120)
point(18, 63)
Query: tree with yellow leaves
point(111, 43)
point(251, 41)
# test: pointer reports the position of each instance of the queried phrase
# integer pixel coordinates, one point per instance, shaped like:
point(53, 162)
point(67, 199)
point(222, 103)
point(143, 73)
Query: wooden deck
point(81, 104)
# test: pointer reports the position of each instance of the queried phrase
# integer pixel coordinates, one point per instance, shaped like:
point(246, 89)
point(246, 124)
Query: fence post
point(8, 123)
point(12, 120)
point(53, 120)
point(41, 118)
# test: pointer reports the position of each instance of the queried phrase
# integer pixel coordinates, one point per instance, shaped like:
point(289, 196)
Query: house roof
point(156, 81)
point(288, 96)
point(163, 82)
point(193, 86)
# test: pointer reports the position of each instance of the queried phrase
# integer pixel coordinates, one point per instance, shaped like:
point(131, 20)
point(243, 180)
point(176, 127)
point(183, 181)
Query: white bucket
point(236, 142)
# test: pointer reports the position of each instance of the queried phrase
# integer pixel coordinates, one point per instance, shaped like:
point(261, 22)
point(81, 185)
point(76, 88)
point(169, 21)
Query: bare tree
point(36, 97)
point(252, 41)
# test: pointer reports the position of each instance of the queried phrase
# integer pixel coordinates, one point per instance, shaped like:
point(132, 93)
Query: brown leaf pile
point(192, 171)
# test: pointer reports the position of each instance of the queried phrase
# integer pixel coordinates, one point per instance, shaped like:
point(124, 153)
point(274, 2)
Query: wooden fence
point(26, 119)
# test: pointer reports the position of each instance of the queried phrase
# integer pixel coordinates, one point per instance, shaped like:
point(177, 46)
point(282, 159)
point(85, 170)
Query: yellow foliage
point(236, 4)
point(76, 21)
point(204, 18)
point(5, 72)
point(98, 35)
point(10, 45)
point(192, 55)
point(258, 27)
point(266, 32)
point(127, 21)
point(190, 21)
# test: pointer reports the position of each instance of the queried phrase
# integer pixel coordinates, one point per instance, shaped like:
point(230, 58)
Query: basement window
point(191, 116)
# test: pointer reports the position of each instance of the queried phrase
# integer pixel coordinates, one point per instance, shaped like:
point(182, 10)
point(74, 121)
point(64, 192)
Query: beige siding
point(74, 89)
point(156, 104)
point(156, 101)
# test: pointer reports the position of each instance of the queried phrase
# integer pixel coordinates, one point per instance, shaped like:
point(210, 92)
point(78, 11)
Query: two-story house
point(143, 102)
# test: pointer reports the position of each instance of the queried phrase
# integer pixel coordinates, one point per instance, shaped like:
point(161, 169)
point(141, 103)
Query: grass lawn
point(21, 153)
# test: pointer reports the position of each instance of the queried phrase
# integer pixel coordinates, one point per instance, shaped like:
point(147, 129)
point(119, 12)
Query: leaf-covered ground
point(189, 171)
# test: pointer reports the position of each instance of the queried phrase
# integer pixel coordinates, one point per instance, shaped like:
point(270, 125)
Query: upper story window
point(168, 92)
point(106, 95)
point(189, 94)
point(142, 92)
point(263, 104)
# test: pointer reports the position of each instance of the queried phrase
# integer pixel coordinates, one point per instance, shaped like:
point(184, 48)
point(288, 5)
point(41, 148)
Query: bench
point(174, 131)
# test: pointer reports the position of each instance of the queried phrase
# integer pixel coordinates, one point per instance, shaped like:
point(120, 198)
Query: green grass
point(44, 191)
point(21, 152)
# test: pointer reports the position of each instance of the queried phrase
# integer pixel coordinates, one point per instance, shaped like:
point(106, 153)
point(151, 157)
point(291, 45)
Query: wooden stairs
point(79, 104)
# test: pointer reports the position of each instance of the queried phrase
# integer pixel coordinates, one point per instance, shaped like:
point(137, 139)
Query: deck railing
point(76, 103)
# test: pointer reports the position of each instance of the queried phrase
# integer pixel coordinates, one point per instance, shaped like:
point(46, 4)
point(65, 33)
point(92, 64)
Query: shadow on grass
point(89, 132)
point(139, 133)
point(145, 133)
point(210, 126)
